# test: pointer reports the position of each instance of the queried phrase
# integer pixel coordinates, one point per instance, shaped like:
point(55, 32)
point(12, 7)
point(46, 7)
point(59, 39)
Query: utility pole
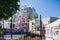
point(3, 29)
point(11, 27)
point(40, 26)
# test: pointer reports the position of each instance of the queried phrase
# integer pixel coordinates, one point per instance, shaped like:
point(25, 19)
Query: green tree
point(29, 17)
point(34, 15)
point(8, 8)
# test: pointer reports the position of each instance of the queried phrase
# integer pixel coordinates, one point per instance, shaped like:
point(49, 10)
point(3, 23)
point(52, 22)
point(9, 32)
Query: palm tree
point(34, 16)
point(30, 17)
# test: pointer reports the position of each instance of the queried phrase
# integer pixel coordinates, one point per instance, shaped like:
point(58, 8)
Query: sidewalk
point(7, 37)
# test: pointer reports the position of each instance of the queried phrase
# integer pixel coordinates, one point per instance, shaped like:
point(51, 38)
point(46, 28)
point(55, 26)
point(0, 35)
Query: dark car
point(14, 32)
point(1, 38)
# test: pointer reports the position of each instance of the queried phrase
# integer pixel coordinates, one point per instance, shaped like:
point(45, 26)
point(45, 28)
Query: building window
point(32, 23)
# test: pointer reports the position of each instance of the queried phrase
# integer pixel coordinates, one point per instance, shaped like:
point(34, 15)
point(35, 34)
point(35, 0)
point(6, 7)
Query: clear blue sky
point(46, 8)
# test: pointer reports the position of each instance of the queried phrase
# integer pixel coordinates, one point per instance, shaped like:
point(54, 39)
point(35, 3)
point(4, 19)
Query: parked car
point(14, 32)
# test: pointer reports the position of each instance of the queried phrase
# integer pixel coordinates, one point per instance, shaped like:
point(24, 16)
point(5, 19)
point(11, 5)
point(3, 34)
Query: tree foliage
point(8, 8)
point(34, 15)
point(27, 16)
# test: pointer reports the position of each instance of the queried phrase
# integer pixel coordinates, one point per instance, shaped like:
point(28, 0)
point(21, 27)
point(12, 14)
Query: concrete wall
point(45, 20)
